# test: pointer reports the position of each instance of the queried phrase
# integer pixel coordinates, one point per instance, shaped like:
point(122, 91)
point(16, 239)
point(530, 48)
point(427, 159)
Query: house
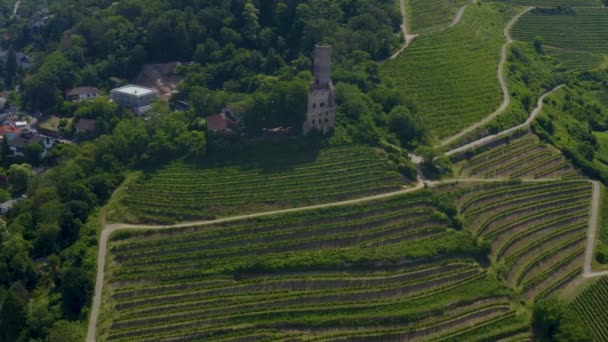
point(18, 141)
point(4, 129)
point(223, 122)
point(23, 60)
point(83, 93)
point(321, 114)
point(86, 126)
point(138, 98)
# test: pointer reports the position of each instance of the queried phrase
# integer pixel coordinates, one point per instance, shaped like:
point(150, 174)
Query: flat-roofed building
point(135, 97)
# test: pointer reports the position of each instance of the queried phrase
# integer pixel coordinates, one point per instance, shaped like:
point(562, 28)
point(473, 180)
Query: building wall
point(321, 114)
point(132, 101)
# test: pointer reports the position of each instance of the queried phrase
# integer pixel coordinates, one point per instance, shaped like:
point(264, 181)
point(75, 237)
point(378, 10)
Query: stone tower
point(321, 114)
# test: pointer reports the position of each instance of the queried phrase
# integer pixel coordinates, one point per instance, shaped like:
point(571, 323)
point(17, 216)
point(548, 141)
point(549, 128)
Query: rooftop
point(83, 90)
point(135, 90)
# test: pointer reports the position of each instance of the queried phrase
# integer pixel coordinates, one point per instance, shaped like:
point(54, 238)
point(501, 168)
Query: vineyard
point(388, 269)
point(578, 38)
point(426, 16)
point(537, 231)
point(452, 75)
point(591, 305)
point(182, 191)
point(516, 157)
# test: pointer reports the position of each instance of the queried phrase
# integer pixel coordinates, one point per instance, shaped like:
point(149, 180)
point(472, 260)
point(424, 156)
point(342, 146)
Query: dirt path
point(409, 38)
point(592, 234)
point(501, 79)
point(15, 9)
point(490, 138)
point(460, 13)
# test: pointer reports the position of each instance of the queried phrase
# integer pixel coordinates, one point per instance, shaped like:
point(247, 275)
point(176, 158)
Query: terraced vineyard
point(430, 15)
point(183, 191)
point(577, 39)
point(537, 231)
point(384, 270)
point(591, 306)
point(452, 75)
point(516, 157)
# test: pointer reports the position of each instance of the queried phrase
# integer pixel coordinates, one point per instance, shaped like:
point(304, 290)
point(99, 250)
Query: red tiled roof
point(9, 129)
point(220, 122)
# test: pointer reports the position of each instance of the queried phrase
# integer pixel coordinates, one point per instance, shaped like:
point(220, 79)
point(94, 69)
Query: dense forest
point(250, 54)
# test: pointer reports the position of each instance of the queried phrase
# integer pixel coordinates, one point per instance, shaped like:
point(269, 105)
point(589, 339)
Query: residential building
point(223, 122)
point(86, 126)
point(18, 141)
point(321, 113)
point(83, 93)
point(138, 98)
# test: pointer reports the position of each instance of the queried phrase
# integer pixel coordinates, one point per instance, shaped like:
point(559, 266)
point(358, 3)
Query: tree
point(538, 45)
point(409, 130)
point(33, 153)
point(552, 320)
point(20, 177)
point(76, 290)
point(64, 331)
point(11, 68)
point(12, 316)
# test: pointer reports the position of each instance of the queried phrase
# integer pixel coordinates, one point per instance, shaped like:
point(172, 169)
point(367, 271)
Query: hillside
point(574, 36)
point(183, 191)
point(452, 75)
point(271, 277)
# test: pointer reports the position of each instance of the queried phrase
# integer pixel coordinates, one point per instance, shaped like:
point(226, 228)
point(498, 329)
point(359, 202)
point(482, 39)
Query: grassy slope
point(452, 75)
point(579, 40)
point(310, 270)
point(281, 179)
point(431, 15)
point(568, 120)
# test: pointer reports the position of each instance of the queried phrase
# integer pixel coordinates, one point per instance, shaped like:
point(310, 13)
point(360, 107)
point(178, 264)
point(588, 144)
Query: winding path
point(409, 38)
point(592, 234)
point(501, 79)
point(460, 13)
point(490, 138)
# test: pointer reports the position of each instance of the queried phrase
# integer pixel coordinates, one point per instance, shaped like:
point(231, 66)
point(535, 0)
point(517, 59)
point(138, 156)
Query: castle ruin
point(321, 114)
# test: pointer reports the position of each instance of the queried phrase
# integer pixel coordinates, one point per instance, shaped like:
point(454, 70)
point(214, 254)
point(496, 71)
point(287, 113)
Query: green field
point(578, 39)
point(516, 157)
point(429, 15)
point(537, 231)
point(591, 306)
point(452, 75)
point(389, 269)
point(183, 191)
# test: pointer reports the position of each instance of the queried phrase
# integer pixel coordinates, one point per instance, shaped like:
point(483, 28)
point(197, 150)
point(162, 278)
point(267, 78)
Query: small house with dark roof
point(86, 126)
point(83, 93)
point(223, 122)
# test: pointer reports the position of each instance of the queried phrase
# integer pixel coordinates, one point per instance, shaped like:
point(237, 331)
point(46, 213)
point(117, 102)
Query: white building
point(138, 98)
point(321, 114)
point(83, 93)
